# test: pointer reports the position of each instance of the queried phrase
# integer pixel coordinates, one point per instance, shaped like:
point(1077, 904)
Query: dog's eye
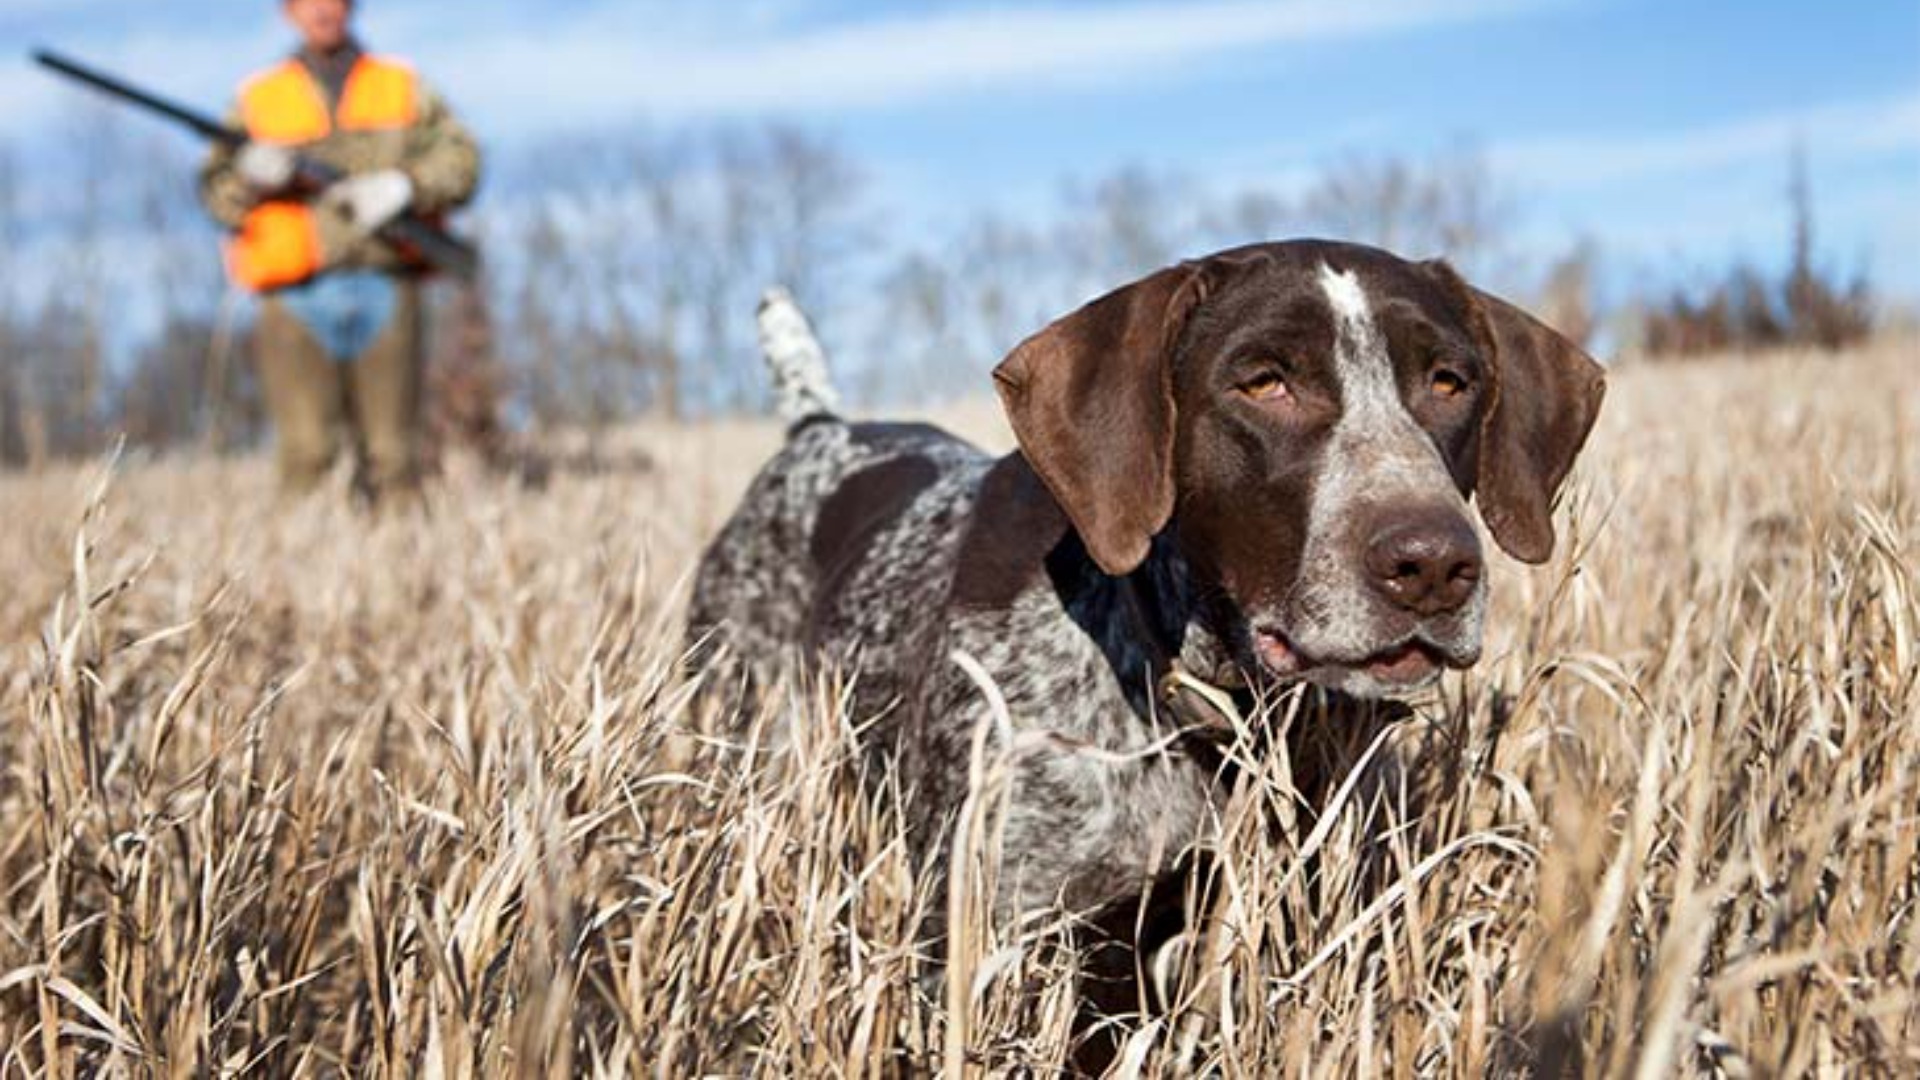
point(1448, 384)
point(1266, 386)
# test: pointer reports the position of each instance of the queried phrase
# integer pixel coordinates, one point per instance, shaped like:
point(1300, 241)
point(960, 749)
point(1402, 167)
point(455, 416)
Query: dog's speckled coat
point(1167, 505)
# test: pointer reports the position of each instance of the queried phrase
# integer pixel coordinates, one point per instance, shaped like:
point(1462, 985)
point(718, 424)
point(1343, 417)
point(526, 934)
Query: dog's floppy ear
point(1547, 394)
point(1091, 401)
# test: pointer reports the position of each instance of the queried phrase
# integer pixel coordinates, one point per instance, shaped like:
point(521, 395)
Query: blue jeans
point(345, 311)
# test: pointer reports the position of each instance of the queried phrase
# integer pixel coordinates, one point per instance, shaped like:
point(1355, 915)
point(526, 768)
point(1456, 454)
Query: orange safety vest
point(279, 242)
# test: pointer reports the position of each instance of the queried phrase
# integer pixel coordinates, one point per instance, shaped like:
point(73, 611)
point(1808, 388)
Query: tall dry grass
point(290, 790)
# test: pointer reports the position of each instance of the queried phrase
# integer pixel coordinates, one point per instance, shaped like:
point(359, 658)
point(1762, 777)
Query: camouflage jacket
point(436, 152)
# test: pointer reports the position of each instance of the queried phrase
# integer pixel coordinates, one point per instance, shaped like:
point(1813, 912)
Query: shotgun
point(441, 249)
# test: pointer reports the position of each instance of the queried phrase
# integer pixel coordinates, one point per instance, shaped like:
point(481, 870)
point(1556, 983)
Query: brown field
point(299, 791)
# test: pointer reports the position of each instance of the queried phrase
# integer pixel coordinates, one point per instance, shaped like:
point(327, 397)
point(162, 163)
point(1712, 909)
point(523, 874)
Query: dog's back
point(842, 548)
point(843, 516)
point(882, 550)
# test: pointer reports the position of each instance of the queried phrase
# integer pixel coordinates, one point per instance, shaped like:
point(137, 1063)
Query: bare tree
point(1468, 214)
point(742, 252)
point(642, 256)
point(100, 145)
point(188, 283)
point(58, 370)
point(1447, 205)
point(1246, 217)
point(1822, 313)
point(1743, 311)
point(1566, 296)
point(675, 254)
point(1803, 286)
point(782, 206)
point(812, 189)
point(1133, 222)
point(12, 363)
point(918, 343)
point(1371, 199)
point(1014, 280)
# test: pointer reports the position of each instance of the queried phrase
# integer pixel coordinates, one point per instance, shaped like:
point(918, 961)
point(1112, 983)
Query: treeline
point(110, 298)
point(635, 263)
point(621, 277)
point(622, 273)
point(1809, 306)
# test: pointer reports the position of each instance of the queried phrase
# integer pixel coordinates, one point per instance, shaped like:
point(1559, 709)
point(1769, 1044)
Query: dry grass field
point(302, 791)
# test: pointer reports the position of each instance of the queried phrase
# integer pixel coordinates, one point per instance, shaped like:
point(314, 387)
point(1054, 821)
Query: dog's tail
point(794, 356)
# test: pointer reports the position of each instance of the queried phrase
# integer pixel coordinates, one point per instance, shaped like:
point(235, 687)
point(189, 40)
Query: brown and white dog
point(1254, 465)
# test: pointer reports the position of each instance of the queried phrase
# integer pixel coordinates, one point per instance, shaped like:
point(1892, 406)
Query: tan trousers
point(372, 404)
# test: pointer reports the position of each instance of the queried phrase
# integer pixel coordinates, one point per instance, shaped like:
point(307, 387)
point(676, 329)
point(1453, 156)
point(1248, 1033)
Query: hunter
point(340, 338)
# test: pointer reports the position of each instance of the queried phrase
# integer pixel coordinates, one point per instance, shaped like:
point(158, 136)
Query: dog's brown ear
point(1547, 394)
point(1091, 401)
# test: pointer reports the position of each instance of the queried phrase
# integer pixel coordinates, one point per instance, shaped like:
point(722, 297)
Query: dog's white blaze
point(1370, 403)
point(1376, 443)
point(1349, 300)
point(1376, 452)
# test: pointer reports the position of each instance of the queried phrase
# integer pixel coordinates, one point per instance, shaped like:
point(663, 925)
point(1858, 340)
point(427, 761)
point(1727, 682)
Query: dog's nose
point(1428, 564)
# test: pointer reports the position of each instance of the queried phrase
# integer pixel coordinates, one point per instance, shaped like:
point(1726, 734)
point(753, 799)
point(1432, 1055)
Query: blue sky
point(1660, 130)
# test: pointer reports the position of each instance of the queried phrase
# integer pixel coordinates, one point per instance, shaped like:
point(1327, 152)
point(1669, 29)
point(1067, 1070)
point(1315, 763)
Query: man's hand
point(266, 168)
point(371, 200)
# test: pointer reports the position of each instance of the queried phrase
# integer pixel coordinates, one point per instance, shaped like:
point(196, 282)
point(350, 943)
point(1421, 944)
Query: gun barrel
point(200, 122)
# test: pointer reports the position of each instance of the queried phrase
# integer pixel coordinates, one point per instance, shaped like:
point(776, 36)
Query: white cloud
point(1686, 200)
point(21, 9)
point(905, 59)
point(1841, 129)
point(517, 70)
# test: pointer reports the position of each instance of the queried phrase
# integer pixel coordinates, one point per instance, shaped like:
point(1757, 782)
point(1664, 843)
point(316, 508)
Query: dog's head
point(1307, 420)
